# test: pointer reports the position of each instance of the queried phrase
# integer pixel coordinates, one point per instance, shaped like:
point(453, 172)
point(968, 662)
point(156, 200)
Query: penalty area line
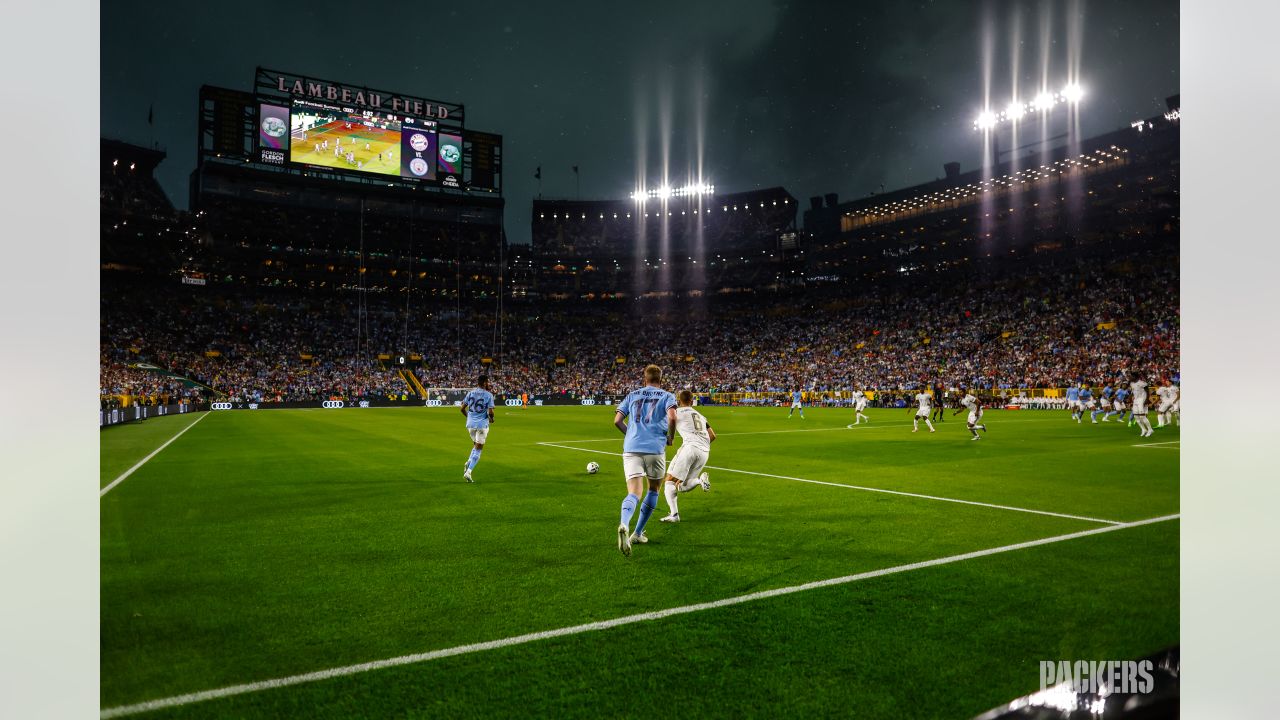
point(155, 452)
point(862, 488)
point(337, 672)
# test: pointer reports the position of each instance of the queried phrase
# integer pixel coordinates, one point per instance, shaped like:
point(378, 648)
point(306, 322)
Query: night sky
point(815, 96)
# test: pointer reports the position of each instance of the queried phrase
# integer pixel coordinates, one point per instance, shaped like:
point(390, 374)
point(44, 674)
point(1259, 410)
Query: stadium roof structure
point(1013, 175)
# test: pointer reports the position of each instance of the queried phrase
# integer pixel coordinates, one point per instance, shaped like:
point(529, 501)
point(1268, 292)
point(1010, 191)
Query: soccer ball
point(593, 468)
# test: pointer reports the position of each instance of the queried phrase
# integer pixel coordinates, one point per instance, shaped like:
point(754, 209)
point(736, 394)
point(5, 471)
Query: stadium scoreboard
point(304, 123)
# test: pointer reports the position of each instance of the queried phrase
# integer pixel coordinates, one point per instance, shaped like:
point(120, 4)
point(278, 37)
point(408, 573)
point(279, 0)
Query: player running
point(1139, 389)
point(1168, 393)
point(796, 397)
point(925, 401)
point(477, 406)
point(1073, 402)
point(974, 407)
point(1104, 406)
point(643, 417)
point(1086, 401)
point(696, 437)
point(1118, 405)
point(860, 404)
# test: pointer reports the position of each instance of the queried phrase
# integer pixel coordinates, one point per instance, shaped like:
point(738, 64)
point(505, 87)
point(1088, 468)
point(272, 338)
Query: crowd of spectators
point(1049, 325)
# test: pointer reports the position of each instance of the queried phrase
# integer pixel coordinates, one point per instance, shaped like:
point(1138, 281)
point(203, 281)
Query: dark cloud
point(815, 96)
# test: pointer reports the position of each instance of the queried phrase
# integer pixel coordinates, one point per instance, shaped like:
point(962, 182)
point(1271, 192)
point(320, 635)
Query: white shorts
point(653, 467)
point(1176, 406)
point(975, 417)
point(1106, 404)
point(795, 405)
point(1119, 406)
point(478, 435)
point(1091, 404)
point(1139, 408)
point(923, 413)
point(688, 463)
point(1164, 407)
point(859, 408)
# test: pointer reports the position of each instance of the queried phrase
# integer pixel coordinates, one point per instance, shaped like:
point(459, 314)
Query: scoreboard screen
point(363, 141)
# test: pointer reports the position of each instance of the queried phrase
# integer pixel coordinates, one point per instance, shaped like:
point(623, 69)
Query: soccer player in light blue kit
point(477, 406)
point(1104, 406)
point(796, 397)
point(1073, 401)
point(1086, 401)
point(643, 417)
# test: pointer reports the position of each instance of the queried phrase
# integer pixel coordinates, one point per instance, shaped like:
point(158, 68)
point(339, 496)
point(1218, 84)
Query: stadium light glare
point(986, 120)
point(1015, 110)
point(1073, 93)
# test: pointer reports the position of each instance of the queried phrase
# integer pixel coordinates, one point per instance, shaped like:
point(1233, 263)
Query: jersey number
point(640, 406)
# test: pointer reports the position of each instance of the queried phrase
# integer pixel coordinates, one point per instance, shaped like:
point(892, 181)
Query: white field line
point(874, 490)
point(1160, 445)
point(233, 690)
point(155, 452)
point(860, 426)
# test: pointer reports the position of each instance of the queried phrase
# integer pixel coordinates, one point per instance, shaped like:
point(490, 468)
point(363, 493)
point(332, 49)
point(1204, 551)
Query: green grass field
point(264, 545)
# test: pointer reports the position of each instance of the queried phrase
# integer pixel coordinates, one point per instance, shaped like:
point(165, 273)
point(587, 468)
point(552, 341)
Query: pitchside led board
point(320, 134)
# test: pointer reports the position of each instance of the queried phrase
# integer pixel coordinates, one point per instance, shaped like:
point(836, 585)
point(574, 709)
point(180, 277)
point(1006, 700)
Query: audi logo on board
point(434, 402)
point(514, 403)
point(220, 406)
point(332, 404)
point(588, 401)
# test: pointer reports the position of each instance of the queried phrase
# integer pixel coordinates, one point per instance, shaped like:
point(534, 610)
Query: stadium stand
point(308, 292)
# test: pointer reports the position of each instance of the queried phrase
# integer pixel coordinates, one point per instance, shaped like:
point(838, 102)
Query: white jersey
point(861, 403)
point(1139, 389)
point(970, 402)
point(692, 427)
point(925, 402)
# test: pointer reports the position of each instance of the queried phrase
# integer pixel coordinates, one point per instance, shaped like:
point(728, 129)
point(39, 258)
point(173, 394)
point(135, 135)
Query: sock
point(628, 508)
point(915, 422)
point(973, 430)
point(671, 491)
point(930, 424)
point(473, 458)
point(646, 509)
point(689, 484)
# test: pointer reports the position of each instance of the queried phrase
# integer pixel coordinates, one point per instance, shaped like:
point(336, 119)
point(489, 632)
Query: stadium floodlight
point(1043, 102)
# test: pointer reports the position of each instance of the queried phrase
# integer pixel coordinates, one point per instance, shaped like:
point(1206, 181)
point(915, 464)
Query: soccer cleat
point(638, 539)
point(672, 518)
point(975, 437)
point(916, 430)
point(932, 431)
point(466, 475)
point(624, 542)
point(705, 481)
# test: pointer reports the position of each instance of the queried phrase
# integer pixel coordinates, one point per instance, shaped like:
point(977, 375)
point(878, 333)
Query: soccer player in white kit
point(1139, 388)
point(1168, 398)
point(685, 471)
point(860, 404)
point(970, 403)
point(926, 407)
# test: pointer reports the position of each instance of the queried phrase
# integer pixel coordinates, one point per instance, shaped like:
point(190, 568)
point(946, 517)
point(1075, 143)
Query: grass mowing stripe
point(871, 489)
point(190, 698)
point(144, 460)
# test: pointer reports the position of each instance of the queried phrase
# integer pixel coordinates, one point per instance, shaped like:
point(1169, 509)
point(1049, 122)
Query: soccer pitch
point(264, 546)
point(371, 147)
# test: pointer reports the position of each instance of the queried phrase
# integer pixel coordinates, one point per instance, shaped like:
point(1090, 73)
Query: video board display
point(364, 141)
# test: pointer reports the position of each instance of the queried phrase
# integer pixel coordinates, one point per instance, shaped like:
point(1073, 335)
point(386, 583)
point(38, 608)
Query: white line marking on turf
point(1159, 445)
point(155, 452)
point(871, 489)
point(233, 690)
point(861, 426)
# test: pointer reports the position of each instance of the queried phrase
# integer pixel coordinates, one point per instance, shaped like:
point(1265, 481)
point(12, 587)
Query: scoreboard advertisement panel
point(302, 122)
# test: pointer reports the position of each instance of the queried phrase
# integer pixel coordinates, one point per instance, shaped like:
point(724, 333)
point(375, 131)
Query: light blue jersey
point(1085, 394)
point(795, 396)
point(646, 413)
point(478, 403)
point(1073, 394)
point(1107, 392)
